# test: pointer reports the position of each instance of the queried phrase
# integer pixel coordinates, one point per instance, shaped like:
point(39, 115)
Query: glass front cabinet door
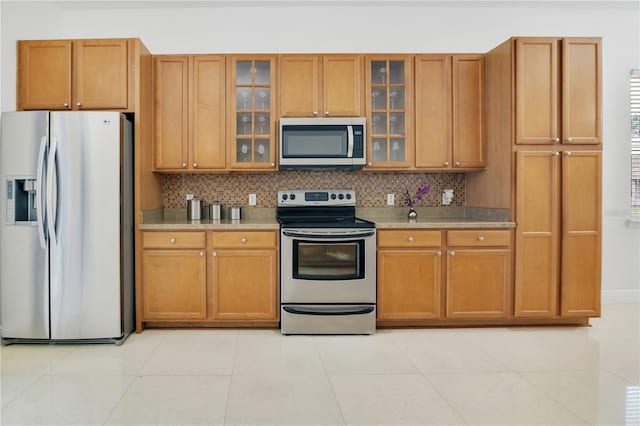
point(253, 121)
point(389, 107)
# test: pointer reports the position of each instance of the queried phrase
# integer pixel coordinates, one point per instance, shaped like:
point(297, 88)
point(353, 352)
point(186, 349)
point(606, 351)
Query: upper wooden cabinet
point(189, 113)
point(389, 111)
point(252, 106)
point(558, 90)
point(75, 74)
point(449, 111)
point(315, 86)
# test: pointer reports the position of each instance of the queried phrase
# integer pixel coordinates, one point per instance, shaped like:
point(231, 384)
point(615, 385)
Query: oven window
point(314, 260)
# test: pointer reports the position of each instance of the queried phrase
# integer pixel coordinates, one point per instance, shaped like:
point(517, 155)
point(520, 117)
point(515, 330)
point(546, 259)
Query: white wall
point(381, 26)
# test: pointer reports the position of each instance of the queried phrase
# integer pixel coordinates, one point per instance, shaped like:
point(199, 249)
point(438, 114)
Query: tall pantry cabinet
point(544, 107)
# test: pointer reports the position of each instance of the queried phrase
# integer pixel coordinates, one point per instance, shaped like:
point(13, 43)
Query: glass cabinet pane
point(243, 98)
point(244, 124)
point(378, 98)
point(263, 72)
point(262, 124)
point(243, 150)
point(243, 72)
point(263, 100)
point(396, 72)
point(396, 97)
point(379, 150)
point(397, 149)
point(261, 154)
point(396, 123)
point(379, 123)
point(378, 72)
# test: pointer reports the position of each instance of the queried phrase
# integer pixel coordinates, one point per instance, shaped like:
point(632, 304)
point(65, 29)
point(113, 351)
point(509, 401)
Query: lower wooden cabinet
point(174, 279)
point(244, 275)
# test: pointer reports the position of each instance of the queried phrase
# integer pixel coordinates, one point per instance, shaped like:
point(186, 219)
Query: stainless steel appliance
point(327, 264)
point(66, 227)
point(322, 143)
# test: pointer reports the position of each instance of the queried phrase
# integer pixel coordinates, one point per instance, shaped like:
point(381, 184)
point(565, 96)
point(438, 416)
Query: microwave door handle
point(349, 141)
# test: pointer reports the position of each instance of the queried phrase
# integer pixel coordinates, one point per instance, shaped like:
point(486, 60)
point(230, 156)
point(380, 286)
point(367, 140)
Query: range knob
point(333, 196)
point(348, 196)
point(285, 196)
point(340, 197)
point(292, 197)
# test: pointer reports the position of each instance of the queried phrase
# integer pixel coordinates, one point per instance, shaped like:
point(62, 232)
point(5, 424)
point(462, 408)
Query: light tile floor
point(473, 376)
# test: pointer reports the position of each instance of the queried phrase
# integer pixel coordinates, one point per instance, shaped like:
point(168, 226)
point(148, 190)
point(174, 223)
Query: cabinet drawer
point(479, 238)
point(248, 239)
point(173, 240)
point(409, 238)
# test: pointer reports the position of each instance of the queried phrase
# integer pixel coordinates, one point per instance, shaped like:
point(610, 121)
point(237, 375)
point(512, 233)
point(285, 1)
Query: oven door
point(328, 265)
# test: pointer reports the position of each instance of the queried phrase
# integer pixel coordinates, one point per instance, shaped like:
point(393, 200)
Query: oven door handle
point(328, 235)
point(359, 310)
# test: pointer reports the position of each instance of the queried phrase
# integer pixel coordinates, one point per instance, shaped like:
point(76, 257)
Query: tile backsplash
point(371, 188)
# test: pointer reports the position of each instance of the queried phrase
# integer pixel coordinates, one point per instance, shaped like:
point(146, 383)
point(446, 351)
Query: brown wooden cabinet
point(252, 112)
point(320, 86)
point(316, 86)
point(75, 74)
point(410, 267)
point(558, 90)
point(174, 276)
point(245, 276)
point(479, 279)
point(189, 113)
point(449, 112)
point(389, 112)
point(558, 237)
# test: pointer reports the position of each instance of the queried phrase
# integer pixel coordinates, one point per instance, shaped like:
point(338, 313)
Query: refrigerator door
point(24, 288)
point(84, 225)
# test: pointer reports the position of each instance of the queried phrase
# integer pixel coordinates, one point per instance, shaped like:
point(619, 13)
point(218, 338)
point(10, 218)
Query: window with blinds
point(635, 143)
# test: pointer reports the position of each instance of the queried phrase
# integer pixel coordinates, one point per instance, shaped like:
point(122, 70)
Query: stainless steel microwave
point(322, 143)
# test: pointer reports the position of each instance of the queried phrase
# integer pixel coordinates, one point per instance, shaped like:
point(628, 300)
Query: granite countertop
point(391, 218)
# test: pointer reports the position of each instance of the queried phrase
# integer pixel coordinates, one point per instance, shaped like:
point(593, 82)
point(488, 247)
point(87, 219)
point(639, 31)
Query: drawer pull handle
point(243, 240)
point(172, 240)
point(452, 253)
point(480, 238)
point(410, 239)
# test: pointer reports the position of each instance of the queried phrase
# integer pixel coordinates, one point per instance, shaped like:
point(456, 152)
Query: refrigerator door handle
point(51, 168)
point(40, 194)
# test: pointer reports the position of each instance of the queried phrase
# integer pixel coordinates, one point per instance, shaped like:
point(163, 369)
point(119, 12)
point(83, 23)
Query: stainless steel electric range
point(327, 264)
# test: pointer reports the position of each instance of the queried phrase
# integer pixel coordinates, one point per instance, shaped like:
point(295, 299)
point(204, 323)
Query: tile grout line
point(326, 373)
point(5, 406)
point(106, 420)
point(233, 367)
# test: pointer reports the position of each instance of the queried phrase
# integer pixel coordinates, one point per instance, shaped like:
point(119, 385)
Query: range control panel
point(325, 197)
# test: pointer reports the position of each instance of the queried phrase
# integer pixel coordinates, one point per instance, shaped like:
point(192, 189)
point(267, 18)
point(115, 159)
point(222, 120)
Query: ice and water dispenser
point(21, 202)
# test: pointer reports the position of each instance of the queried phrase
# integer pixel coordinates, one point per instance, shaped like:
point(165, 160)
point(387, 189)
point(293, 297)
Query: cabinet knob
point(195, 165)
point(243, 240)
point(555, 140)
point(78, 104)
point(452, 253)
point(410, 239)
point(446, 163)
point(315, 113)
point(438, 253)
point(369, 164)
point(214, 254)
point(457, 163)
point(555, 154)
point(201, 253)
point(172, 240)
point(184, 165)
point(273, 164)
point(568, 140)
point(567, 153)
point(66, 105)
point(326, 113)
point(481, 238)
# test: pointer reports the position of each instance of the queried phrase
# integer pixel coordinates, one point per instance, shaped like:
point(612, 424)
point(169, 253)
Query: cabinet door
point(433, 111)
point(537, 91)
point(174, 284)
point(581, 91)
point(299, 86)
point(101, 73)
point(171, 101)
point(409, 283)
point(478, 283)
point(342, 84)
point(581, 233)
point(389, 94)
point(44, 75)
point(252, 124)
point(537, 234)
point(208, 143)
point(468, 107)
point(245, 284)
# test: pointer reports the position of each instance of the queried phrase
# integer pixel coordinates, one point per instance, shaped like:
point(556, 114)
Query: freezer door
point(84, 225)
point(24, 289)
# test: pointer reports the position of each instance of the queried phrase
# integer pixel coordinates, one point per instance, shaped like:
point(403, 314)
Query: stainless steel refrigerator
point(66, 236)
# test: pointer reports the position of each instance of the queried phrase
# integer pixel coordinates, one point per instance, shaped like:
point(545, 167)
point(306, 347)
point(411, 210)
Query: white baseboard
point(621, 296)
